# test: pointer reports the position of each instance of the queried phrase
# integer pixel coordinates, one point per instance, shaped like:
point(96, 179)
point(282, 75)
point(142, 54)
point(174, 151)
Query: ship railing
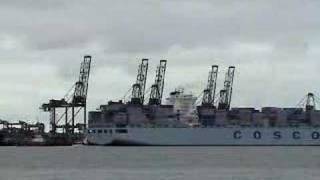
point(203, 126)
point(156, 126)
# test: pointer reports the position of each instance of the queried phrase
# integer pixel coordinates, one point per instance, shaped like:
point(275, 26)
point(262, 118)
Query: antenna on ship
point(157, 88)
point(138, 88)
point(311, 102)
point(210, 91)
point(226, 92)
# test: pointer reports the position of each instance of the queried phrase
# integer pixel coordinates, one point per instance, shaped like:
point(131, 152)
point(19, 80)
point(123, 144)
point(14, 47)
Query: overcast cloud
point(275, 46)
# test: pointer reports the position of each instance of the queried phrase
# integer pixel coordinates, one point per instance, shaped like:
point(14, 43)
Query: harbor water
point(159, 163)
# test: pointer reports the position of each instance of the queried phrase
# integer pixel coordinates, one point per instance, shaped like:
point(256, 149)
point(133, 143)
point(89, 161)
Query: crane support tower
point(138, 88)
point(75, 101)
point(226, 92)
point(157, 88)
point(210, 91)
point(79, 99)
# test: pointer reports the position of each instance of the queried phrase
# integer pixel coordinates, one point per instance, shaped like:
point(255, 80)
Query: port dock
point(67, 126)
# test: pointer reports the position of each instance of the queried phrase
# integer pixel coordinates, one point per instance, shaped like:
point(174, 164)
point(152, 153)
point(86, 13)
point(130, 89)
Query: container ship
point(206, 120)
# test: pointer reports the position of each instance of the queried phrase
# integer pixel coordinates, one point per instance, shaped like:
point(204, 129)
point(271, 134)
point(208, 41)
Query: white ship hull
point(217, 136)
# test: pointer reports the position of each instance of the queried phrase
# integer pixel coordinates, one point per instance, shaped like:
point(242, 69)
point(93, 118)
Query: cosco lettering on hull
point(276, 135)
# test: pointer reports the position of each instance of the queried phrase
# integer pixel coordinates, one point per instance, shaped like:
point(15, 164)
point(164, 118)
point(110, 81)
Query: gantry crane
point(75, 101)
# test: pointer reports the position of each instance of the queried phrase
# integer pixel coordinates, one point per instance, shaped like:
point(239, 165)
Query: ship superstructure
point(183, 105)
point(214, 122)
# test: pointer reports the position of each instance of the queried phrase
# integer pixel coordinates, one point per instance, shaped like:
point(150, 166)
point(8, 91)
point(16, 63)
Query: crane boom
point(209, 93)
point(157, 87)
point(138, 88)
point(226, 92)
point(81, 86)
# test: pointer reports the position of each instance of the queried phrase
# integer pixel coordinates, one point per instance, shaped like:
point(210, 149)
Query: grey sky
point(275, 46)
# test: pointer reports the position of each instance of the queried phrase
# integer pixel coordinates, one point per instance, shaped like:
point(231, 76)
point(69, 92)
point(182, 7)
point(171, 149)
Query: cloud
point(273, 44)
